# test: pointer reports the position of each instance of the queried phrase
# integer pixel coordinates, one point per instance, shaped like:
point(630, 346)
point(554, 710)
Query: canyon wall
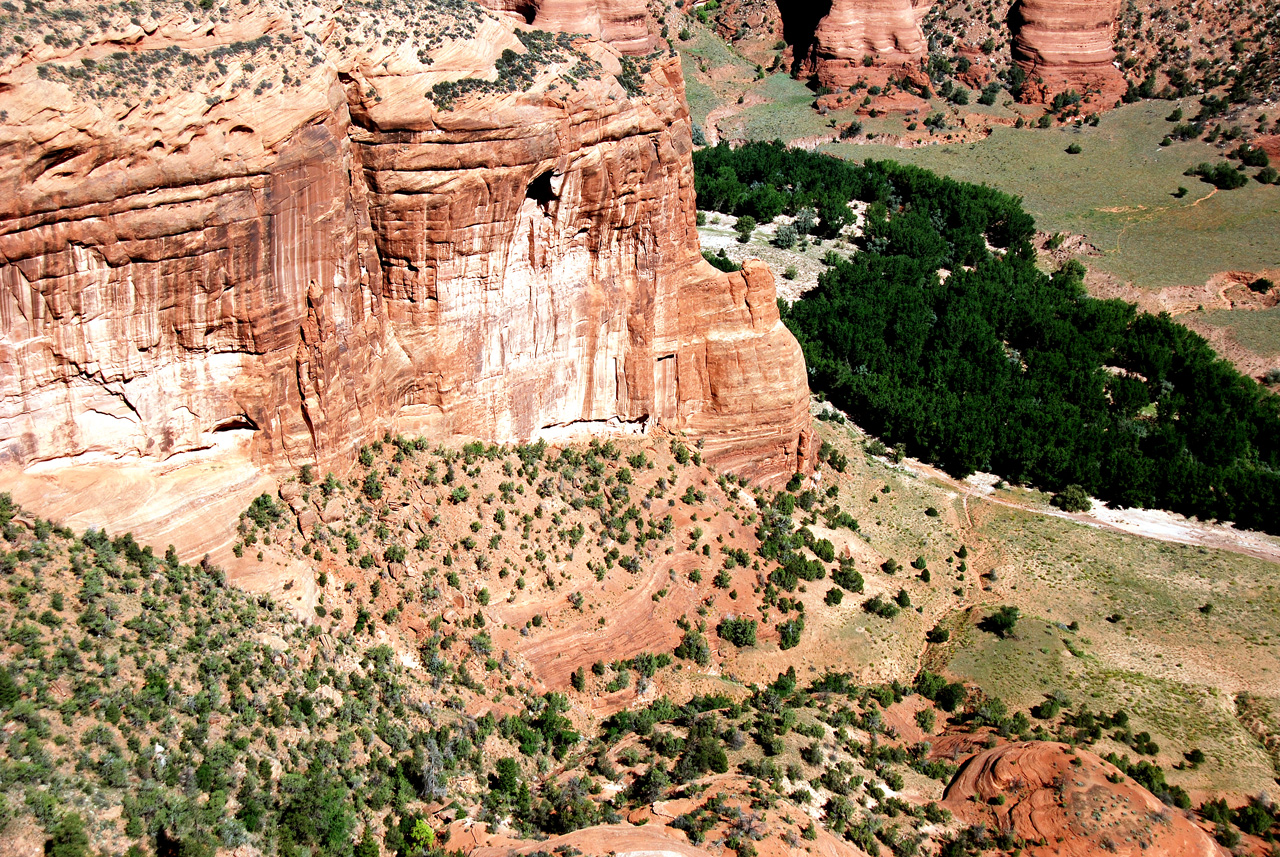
point(888, 31)
point(1067, 44)
point(311, 228)
point(1060, 44)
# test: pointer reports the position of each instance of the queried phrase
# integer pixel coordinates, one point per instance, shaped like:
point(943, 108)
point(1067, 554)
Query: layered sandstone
point(624, 24)
point(216, 248)
point(1068, 802)
point(1067, 44)
point(887, 31)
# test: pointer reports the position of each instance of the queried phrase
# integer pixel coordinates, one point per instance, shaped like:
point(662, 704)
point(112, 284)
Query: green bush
point(1073, 498)
point(740, 632)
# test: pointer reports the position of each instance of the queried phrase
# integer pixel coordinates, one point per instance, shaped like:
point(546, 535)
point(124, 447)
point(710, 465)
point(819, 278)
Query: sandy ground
point(717, 234)
point(1149, 523)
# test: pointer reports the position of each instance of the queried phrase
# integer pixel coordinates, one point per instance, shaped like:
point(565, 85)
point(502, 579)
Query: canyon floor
point(1138, 239)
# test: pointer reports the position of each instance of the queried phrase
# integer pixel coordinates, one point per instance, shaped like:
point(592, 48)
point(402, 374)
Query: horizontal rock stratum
point(310, 225)
point(1063, 801)
point(886, 31)
point(1065, 45)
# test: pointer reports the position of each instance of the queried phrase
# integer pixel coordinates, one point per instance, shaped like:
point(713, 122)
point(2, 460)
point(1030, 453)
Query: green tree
point(421, 838)
point(745, 225)
point(9, 693)
point(317, 811)
point(368, 844)
point(1003, 622)
point(741, 632)
point(68, 838)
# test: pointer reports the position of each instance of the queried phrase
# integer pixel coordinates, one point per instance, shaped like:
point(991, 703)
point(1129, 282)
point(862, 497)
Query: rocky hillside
point(301, 226)
point(603, 643)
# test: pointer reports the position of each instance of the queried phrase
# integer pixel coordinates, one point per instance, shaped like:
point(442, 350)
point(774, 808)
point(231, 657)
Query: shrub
point(68, 838)
point(721, 262)
point(786, 236)
point(1251, 156)
point(877, 606)
point(1002, 622)
point(694, 647)
point(741, 632)
point(847, 577)
point(789, 633)
point(1073, 498)
point(1221, 175)
point(8, 689)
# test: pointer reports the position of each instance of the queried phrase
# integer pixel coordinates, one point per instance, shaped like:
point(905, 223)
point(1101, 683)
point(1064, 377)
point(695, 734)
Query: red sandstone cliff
point(888, 31)
point(624, 24)
point(1067, 44)
point(262, 223)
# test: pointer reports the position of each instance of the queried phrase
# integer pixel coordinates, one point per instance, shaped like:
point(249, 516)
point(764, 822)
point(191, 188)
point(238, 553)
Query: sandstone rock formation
point(624, 24)
point(308, 228)
point(888, 31)
point(1070, 802)
point(1067, 44)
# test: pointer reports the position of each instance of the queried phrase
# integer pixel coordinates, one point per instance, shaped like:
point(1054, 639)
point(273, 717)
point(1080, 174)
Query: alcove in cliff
point(541, 192)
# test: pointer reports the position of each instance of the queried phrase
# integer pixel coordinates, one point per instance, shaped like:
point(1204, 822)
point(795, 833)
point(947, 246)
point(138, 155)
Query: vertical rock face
point(888, 31)
point(1067, 44)
point(336, 255)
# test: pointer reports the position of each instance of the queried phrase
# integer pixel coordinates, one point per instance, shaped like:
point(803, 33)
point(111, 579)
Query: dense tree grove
point(942, 333)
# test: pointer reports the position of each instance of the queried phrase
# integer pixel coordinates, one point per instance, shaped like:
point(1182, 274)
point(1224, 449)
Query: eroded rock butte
point(886, 31)
point(1065, 45)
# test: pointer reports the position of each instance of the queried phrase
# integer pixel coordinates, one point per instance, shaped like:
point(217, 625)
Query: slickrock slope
point(1070, 809)
point(1067, 44)
point(315, 226)
point(886, 30)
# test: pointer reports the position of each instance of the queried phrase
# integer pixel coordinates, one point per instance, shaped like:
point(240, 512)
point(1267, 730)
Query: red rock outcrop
point(1067, 44)
point(624, 24)
point(1070, 803)
point(259, 225)
point(888, 31)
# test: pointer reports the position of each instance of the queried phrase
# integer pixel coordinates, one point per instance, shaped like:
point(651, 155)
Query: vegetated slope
point(373, 730)
point(944, 335)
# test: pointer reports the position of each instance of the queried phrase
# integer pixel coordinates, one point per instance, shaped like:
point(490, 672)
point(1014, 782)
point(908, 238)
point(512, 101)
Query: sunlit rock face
point(885, 31)
point(1065, 45)
point(303, 231)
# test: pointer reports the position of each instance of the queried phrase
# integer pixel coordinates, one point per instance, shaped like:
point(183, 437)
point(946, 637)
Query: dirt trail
point(1148, 523)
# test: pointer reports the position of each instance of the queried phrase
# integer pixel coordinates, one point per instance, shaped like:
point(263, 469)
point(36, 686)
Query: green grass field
point(1142, 641)
point(1118, 192)
point(1256, 330)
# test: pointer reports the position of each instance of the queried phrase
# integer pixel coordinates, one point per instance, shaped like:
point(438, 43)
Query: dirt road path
point(1148, 523)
